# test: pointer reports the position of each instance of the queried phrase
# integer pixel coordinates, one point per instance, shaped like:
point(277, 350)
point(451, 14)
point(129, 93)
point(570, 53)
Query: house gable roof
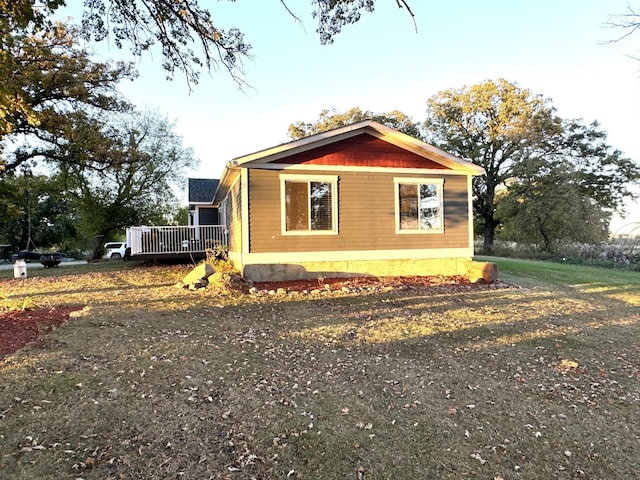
point(202, 190)
point(280, 153)
point(361, 151)
point(317, 150)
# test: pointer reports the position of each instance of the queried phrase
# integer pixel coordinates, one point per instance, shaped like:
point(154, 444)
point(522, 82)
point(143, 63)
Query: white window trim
point(331, 179)
point(439, 182)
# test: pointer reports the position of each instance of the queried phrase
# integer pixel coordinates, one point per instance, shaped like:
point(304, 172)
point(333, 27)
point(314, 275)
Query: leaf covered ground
point(150, 381)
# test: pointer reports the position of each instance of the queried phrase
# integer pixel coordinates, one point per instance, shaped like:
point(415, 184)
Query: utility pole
point(28, 193)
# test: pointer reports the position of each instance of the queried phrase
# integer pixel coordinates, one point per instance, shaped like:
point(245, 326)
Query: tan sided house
point(358, 200)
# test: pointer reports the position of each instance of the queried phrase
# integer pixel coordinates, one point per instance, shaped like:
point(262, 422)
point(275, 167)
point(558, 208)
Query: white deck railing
point(172, 240)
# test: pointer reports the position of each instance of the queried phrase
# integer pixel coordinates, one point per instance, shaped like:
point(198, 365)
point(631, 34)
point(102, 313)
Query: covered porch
point(169, 242)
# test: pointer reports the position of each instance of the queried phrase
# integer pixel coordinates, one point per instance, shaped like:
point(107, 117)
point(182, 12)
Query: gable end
point(361, 151)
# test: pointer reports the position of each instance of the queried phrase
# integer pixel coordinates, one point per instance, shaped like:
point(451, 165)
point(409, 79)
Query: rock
point(482, 272)
point(198, 277)
point(200, 283)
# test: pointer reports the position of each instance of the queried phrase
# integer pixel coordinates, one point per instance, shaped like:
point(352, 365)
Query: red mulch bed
point(366, 282)
point(21, 327)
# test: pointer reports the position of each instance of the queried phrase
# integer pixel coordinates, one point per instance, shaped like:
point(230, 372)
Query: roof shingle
point(201, 190)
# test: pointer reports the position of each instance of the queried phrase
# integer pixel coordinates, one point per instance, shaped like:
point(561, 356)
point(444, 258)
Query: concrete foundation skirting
point(378, 268)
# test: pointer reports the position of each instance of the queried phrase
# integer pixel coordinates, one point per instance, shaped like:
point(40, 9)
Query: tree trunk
point(545, 238)
point(489, 233)
point(97, 247)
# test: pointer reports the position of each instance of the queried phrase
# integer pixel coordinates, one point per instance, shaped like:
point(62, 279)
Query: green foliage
point(185, 31)
point(179, 217)
point(531, 158)
point(544, 205)
point(40, 201)
point(118, 171)
point(330, 119)
point(49, 80)
point(493, 124)
point(129, 166)
point(176, 27)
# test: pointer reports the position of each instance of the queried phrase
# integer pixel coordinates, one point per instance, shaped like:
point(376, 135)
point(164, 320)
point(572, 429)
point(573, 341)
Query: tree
point(333, 15)
point(495, 125)
point(500, 126)
point(629, 22)
point(51, 80)
point(34, 213)
point(330, 119)
point(125, 171)
point(185, 31)
point(189, 39)
point(544, 205)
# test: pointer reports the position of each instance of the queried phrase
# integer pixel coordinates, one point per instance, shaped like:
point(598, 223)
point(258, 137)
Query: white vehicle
point(114, 250)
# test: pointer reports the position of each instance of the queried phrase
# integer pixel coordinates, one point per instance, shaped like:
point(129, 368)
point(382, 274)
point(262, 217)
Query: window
point(309, 204)
point(419, 205)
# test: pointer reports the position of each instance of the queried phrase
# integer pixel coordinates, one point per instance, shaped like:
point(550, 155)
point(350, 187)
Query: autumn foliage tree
point(188, 36)
point(185, 31)
point(331, 118)
point(509, 130)
point(52, 79)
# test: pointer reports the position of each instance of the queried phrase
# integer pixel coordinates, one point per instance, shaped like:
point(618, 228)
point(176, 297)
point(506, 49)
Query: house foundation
point(448, 267)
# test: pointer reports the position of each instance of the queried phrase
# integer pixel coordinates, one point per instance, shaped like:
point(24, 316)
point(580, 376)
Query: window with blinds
point(309, 204)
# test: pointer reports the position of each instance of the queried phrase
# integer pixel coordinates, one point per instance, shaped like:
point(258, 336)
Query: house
point(201, 210)
point(358, 200)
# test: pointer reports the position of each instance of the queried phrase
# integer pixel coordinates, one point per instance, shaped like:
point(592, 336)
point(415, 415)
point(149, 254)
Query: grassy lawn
point(156, 382)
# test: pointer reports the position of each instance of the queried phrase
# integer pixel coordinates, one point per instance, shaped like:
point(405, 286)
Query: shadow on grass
point(397, 385)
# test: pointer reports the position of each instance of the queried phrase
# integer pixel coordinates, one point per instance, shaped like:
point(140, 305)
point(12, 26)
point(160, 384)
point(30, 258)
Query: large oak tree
point(51, 79)
point(186, 32)
point(503, 128)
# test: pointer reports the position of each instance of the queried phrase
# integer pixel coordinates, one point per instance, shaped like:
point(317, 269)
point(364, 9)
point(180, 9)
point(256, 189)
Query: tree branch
point(403, 3)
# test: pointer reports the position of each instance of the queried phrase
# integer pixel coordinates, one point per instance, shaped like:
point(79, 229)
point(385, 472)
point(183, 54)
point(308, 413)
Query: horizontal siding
point(366, 218)
point(235, 223)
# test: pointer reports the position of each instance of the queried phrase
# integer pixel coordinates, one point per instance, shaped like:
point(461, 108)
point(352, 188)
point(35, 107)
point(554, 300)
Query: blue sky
point(553, 47)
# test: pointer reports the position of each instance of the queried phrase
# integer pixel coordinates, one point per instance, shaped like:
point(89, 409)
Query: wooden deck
point(169, 242)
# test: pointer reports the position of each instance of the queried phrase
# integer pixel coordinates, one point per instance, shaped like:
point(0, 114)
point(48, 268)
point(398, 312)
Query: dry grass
point(157, 382)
